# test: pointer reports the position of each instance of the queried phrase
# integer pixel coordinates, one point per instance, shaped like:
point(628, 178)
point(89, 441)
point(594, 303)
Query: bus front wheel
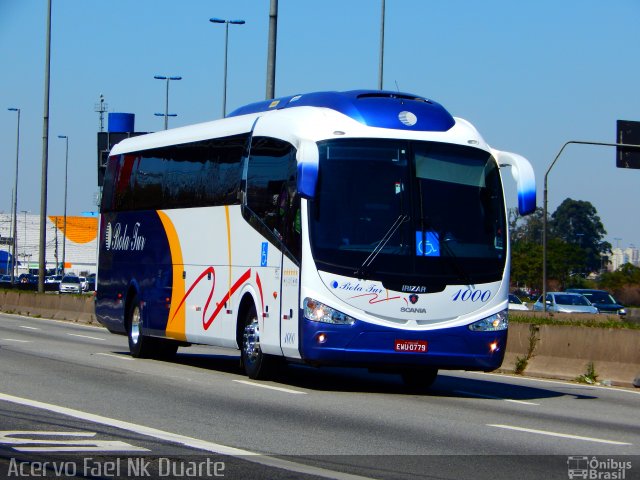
point(254, 362)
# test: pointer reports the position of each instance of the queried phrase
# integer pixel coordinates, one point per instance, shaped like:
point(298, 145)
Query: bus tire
point(255, 363)
point(140, 345)
point(419, 379)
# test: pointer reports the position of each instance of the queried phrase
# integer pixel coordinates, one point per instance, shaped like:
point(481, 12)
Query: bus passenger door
point(290, 278)
point(289, 311)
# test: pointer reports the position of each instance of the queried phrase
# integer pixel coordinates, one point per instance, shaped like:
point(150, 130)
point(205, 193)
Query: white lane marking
point(42, 443)
point(479, 395)
point(561, 435)
point(121, 357)
point(51, 320)
point(85, 336)
point(270, 387)
point(186, 441)
point(29, 328)
point(16, 340)
point(558, 382)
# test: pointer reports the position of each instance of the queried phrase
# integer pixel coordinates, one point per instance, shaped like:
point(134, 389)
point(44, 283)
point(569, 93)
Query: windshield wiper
point(362, 270)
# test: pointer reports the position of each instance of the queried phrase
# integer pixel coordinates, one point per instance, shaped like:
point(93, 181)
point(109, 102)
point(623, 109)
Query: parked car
point(70, 284)
point(5, 281)
point(27, 278)
point(602, 300)
point(563, 302)
point(53, 279)
point(91, 282)
point(83, 283)
point(516, 304)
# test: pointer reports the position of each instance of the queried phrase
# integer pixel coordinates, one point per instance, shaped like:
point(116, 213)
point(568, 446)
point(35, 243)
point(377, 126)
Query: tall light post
point(381, 62)
point(42, 244)
point(64, 221)
point(226, 45)
point(271, 49)
point(15, 201)
point(166, 114)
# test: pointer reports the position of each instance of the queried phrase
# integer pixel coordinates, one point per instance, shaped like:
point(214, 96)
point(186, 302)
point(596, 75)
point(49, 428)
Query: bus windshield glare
point(422, 212)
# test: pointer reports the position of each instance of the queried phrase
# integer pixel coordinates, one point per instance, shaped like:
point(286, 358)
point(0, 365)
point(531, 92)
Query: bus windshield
point(408, 212)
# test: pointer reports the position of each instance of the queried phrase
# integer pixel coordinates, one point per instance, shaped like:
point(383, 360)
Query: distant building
point(621, 256)
point(80, 247)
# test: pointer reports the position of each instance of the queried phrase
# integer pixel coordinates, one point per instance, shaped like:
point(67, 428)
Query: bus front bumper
point(374, 346)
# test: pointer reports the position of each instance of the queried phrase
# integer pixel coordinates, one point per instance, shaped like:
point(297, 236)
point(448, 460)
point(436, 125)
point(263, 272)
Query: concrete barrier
point(74, 308)
point(552, 351)
point(566, 352)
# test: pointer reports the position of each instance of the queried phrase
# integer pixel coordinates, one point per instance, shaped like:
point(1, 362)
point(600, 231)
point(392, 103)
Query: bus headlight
point(497, 321)
point(319, 312)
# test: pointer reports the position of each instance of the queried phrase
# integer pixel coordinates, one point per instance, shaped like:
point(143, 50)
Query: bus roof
point(373, 108)
point(406, 114)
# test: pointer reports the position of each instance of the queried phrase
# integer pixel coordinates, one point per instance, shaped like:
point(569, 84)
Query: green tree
point(627, 274)
point(526, 229)
point(526, 265)
point(576, 222)
point(563, 261)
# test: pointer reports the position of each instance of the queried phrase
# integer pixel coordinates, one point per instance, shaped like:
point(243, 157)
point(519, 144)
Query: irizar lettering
point(414, 288)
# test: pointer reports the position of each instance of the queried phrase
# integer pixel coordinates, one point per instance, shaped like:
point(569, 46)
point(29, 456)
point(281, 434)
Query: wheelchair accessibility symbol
point(427, 244)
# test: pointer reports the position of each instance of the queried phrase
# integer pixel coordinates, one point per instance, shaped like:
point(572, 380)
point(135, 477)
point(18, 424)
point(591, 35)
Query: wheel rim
point(135, 325)
point(251, 346)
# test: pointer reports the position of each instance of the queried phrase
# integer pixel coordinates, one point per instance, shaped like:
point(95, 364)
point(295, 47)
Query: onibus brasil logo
point(118, 238)
point(595, 468)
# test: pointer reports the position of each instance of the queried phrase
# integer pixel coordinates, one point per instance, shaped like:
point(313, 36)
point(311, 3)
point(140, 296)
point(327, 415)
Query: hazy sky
point(531, 75)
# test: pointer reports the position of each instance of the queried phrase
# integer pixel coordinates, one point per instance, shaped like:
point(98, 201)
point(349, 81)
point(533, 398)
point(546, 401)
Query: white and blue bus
point(360, 228)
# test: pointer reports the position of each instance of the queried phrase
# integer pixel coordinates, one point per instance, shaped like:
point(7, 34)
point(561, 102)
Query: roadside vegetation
point(577, 254)
point(579, 320)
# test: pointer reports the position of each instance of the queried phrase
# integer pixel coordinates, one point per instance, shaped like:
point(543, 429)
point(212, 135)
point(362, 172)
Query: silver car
point(70, 284)
point(563, 302)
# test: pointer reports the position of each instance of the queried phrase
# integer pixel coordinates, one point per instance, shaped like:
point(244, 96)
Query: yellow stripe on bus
point(176, 325)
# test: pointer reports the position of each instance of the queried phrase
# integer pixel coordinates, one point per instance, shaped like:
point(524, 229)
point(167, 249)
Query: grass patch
point(592, 321)
point(590, 376)
point(522, 362)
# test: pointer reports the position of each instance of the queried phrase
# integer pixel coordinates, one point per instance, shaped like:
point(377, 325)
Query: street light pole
point(64, 222)
point(166, 99)
point(42, 254)
point(15, 201)
point(544, 208)
point(271, 49)
point(226, 45)
point(381, 63)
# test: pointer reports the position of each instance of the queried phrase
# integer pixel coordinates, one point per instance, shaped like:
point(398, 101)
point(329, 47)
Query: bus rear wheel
point(255, 363)
point(419, 379)
point(140, 345)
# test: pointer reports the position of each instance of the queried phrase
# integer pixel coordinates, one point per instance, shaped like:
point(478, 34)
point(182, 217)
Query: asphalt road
point(63, 382)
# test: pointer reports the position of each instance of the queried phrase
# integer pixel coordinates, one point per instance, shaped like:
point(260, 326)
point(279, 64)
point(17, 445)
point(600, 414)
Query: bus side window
point(271, 186)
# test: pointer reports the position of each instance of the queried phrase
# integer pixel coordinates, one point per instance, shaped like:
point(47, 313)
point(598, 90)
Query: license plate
point(414, 346)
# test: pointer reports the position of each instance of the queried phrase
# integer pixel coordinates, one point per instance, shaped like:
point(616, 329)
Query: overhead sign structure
point(628, 132)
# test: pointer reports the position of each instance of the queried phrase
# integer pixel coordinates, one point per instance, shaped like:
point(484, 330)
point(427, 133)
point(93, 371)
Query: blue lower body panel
point(373, 346)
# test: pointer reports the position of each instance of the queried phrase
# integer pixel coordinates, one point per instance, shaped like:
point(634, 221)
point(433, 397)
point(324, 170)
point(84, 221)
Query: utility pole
point(42, 258)
point(271, 53)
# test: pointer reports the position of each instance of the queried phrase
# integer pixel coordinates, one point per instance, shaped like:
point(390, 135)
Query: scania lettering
point(320, 228)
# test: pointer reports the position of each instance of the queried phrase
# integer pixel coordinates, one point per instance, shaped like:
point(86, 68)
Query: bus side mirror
point(308, 159)
point(522, 173)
